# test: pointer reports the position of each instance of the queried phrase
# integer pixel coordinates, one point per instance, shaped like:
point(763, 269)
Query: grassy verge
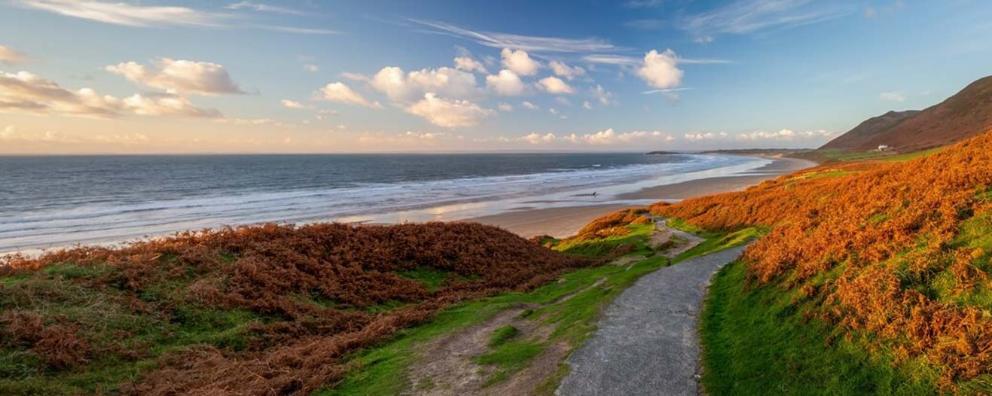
point(381, 370)
point(755, 341)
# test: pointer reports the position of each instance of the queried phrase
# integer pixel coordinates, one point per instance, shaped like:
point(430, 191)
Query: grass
point(381, 369)
point(835, 155)
point(636, 238)
point(756, 341)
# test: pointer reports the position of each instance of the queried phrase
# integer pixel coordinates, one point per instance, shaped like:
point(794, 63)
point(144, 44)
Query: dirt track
point(647, 341)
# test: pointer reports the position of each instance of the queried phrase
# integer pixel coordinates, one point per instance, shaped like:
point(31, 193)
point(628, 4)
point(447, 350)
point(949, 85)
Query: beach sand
point(564, 222)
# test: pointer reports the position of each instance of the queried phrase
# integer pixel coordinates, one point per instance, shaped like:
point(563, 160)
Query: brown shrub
point(268, 268)
point(891, 226)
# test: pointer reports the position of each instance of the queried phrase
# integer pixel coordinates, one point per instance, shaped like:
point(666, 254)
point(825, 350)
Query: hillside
point(892, 256)
point(253, 310)
point(967, 113)
point(871, 128)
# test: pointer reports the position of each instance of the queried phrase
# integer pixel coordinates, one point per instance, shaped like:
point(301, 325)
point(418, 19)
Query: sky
point(93, 77)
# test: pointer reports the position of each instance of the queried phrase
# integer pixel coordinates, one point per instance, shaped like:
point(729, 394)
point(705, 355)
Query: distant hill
point(963, 115)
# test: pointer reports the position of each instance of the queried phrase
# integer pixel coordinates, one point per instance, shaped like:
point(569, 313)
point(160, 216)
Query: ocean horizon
point(60, 201)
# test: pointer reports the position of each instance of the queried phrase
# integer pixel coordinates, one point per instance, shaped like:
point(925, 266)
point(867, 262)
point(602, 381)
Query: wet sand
point(563, 222)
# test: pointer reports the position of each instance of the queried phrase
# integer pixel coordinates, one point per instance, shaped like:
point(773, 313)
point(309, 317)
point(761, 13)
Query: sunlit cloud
point(555, 85)
point(342, 93)
point(659, 70)
point(179, 76)
point(505, 83)
point(261, 7)
point(123, 13)
point(9, 56)
point(448, 113)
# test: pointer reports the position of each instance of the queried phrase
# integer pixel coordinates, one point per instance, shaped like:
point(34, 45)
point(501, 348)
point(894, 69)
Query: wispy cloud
point(520, 42)
point(261, 7)
point(9, 56)
point(747, 16)
point(125, 14)
point(623, 60)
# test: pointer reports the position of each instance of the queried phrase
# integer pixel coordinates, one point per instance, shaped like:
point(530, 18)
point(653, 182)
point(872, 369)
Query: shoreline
point(566, 221)
point(557, 221)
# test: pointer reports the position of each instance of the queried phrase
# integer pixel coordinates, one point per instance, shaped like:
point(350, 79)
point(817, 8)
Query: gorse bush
point(262, 310)
point(899, 251)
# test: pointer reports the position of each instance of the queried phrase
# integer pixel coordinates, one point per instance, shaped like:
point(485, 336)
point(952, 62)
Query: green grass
point(756, 341)
point(502, 335)
point(637, 238)
point(835, 155)
point(431, 278)
point(380, 370)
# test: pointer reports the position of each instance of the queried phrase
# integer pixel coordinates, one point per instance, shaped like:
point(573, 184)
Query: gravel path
point(647, 343)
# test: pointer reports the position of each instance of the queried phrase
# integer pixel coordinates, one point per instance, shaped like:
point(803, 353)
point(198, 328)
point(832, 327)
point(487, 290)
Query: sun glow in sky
point(357, 76)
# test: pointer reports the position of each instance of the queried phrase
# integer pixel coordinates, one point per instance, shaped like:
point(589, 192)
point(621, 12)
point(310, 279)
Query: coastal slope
point(965, 114)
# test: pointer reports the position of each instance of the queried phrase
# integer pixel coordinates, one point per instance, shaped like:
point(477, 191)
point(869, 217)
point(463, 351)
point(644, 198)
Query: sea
point(60, 201)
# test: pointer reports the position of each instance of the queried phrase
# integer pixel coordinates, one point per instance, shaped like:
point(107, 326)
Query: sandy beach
point(563, 222)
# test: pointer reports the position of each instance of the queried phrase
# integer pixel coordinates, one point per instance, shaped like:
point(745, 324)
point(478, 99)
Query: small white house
point(883, 147)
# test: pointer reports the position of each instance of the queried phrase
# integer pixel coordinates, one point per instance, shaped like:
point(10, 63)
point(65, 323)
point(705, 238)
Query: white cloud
point(562, 70)
point(179, 76)
point(784, 134)
point(519, 62)
point(448, 113)
point(526, 43)
point(292, 104)
point(660, 70)
point(120, 13)
point(467, 63)
point(536, 138)
point(123, 13)
point(310, 67)
point(555, 85)
point(604, 137)
point(406, 87)
point(586, 105)
point(26, 92)
point(746, 16)
point(10, 57)
point(692, 136)
point(529, 106)
point(608, 59)
point(260, 7)
point(341, 93)
point(505, 83)
point(165, 105)
point(604, 97)
point(505, 107)
point(892, 96)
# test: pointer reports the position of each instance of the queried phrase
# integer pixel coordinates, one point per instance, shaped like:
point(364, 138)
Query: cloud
point(784, 134)
point(292, 104)
point(179, 76)
point(599, 138)
point(341, 93)
point(263, 8)
point(603, 96)
point(555, 85)
point(747, 16)
point(448, 113)
point(406, 87)
point(519, 62)
point(695, 136)
point(505, 83)
point(123, 13)
point(26, 92)
point(529, 106)
point(505, 107)
point(310, 67)
point(10, 57)
point(537, 138)
point(892, 96)
point(608, 59)
point(467, 63)
point(521, 42)
point(562, 70)
point(165, 105)
point(660, 70)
